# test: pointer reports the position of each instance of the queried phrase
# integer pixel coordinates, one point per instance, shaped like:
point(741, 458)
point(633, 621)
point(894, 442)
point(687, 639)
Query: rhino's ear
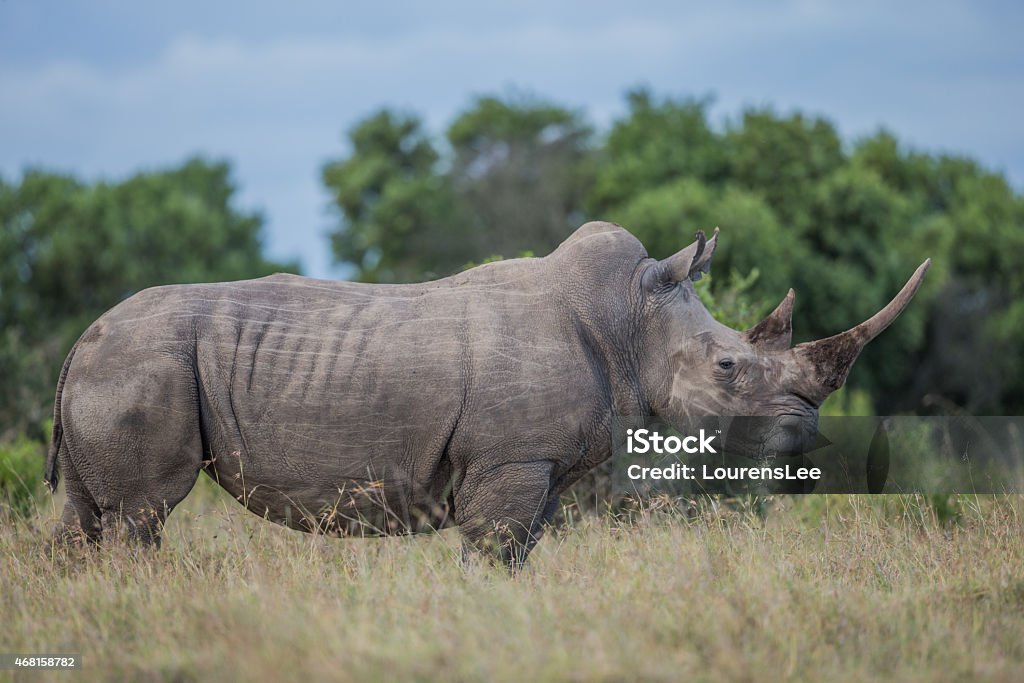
point(692, 262)
point(702, 264)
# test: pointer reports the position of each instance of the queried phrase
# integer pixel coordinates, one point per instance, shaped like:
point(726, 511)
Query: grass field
point(825, 588)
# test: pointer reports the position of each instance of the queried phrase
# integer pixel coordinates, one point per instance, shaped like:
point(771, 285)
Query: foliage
point(398, 211)
point(656, 143)
point(71, 249)
point(732, 304)
point(520, 168)
point(513, 181)
point(783, 158)
point(21, 481)
point(848, 402)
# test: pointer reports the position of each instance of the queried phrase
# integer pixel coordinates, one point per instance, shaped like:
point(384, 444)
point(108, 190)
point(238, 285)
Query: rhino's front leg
point(501, 510)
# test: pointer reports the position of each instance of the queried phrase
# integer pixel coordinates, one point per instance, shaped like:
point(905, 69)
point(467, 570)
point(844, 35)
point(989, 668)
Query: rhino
point(374, 409)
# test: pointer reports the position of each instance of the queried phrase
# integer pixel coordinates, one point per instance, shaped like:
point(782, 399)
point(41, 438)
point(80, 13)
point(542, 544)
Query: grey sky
point(104, 88)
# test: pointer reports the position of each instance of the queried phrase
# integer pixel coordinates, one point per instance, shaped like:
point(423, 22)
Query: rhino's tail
point(52, 474)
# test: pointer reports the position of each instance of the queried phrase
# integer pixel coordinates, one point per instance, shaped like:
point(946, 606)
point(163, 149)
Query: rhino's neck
point(616, 365)
point(613, 347)
point(598, 270)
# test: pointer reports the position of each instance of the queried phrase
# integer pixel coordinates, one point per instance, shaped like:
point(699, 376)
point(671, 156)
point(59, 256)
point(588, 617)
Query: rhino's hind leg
point(135, 443)
point(80, 521)
point(503, 510)
point(137, 513)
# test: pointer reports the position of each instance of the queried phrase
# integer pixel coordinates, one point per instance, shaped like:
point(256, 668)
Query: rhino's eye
point(726, 363)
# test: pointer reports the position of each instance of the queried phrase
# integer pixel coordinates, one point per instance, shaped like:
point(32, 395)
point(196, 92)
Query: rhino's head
point(695, 366)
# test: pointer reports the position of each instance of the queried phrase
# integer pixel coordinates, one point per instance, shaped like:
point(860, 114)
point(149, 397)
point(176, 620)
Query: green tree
point(863, 241)
point(512, 180)
point(666, 218)
point(971, 355)
point(657, 142)
point(793, 207)
point(71, 250)
point(665, 173)
point(783, 159)
point(521, 168)
point(399, 219)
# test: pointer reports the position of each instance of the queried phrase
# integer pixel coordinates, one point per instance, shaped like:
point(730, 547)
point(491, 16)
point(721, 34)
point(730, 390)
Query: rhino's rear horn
point(691, 262)
point(823, 365)
point(775, 332)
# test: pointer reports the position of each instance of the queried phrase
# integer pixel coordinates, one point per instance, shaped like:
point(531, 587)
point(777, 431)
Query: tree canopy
point(71, 249)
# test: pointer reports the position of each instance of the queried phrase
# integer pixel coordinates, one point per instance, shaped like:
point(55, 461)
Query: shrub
point(21, 474)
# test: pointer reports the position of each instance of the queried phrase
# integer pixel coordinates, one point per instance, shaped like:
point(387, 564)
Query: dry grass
point(866, 589)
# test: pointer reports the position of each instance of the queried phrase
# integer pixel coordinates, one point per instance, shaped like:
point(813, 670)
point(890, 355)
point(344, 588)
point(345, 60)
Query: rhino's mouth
point(766, 439)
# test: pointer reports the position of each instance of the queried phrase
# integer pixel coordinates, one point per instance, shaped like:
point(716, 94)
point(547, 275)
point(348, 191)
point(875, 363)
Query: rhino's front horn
point(775, 332)
point(823, 365)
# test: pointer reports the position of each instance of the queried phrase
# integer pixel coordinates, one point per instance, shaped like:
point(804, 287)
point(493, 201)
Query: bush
point(21, 475)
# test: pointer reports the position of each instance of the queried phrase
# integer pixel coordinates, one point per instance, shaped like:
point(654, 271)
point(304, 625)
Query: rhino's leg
point(80, 520)
point(134, 440)
point(501, 511)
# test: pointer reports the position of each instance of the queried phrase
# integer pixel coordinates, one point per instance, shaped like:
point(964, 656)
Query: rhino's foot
point(71, 540)
point(504, 512)
point(500, 547)
point(140, 526)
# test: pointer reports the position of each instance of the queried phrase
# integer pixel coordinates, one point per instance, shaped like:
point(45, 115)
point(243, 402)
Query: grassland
point(824, 588)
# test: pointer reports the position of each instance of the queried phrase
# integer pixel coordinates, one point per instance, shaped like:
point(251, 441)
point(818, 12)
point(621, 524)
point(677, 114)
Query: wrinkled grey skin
point(381, 409)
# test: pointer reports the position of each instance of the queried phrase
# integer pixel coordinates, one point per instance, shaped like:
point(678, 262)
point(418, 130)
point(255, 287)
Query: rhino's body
point(313, 396)
point(476, 399)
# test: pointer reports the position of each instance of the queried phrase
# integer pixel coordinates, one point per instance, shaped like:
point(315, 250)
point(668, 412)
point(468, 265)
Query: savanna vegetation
point(819, 587)
point(825, 588)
